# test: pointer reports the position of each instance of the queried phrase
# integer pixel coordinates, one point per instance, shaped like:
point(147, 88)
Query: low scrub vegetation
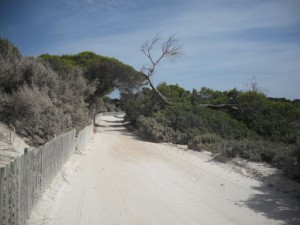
point(41, 97)
point(38, 102)
point(253, 127)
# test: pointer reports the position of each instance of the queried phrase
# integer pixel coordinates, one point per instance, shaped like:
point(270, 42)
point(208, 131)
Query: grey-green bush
point(37, 101)
point(152, 130)
point(208, 141)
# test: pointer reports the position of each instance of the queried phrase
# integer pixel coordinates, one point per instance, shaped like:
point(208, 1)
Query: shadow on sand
point(275, 204)
point(278, 197)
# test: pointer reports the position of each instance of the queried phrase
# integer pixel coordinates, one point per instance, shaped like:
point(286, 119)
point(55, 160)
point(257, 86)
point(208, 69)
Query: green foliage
point(275, 120)
point(292, 163)
point(252, 100)
point(8, 50)
point(267, 130)
point(186, 121)
point(108, 72)
point(296, 103)
point(207, 141)
point(106, 104)
point(58, 64)
point(142, 103)
point(260, 150)
point(209, 96)
point(204, 121)
point(152, 130)
point(176, 95)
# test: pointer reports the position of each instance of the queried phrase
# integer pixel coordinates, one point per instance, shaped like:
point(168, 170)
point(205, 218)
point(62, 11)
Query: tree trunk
point(161, 96)
point(225, 106)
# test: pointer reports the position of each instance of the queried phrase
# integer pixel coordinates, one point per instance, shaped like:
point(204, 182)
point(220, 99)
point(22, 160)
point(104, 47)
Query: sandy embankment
point(11, 145)
point(121, 179)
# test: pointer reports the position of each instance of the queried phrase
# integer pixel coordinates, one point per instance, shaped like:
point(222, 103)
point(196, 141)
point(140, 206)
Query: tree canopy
point(109, 73)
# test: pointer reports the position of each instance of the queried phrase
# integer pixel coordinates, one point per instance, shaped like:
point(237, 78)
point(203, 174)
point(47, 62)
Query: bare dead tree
point(252, 85)
point(169, 50)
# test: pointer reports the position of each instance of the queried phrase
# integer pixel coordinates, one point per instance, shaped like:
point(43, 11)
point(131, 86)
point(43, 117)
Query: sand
point(122, 179)
point(11, 145)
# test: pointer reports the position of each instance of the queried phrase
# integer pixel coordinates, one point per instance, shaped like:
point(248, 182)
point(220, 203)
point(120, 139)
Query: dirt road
point(122, 179)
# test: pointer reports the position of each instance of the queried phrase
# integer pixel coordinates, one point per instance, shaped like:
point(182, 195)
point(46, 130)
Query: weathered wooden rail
point(24, 180)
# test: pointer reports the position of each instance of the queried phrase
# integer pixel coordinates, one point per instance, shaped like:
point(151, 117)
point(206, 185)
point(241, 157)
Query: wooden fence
point(24, 180)
point(84, 136)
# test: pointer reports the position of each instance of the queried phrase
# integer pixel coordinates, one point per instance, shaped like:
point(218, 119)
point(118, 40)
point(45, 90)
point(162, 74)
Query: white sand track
point(122, 179)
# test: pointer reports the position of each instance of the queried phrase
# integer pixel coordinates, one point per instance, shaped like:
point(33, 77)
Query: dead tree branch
point(169, 49)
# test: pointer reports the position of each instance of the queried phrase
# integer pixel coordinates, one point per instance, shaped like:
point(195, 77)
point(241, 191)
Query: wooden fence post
point(2, 202)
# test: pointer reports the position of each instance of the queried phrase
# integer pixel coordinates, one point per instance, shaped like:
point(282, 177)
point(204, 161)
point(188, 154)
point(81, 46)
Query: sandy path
point(125, 180)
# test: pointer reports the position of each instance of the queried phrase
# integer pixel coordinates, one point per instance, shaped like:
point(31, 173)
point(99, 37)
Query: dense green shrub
point(285, 156)
point(276, 120)
point(142, 103)
point(260, 150)
point(292, 163)
point(207, 141)
point(153, 130)
point(202, 121)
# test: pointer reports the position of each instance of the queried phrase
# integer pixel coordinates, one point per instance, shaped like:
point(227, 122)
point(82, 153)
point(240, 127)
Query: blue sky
point(226, 42)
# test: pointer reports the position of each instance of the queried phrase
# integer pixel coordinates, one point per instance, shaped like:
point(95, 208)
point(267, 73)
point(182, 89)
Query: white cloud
point(215, 54)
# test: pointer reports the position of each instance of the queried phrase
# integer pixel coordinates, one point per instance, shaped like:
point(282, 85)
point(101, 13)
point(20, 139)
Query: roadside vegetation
point(41, 97)
point(256, 127)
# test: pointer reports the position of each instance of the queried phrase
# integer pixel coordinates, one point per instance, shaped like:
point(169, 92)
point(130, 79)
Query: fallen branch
point(235, 107)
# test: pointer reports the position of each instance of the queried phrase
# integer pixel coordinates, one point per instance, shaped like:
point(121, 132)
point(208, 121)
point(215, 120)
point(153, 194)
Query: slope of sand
point(121, 179)
point(11, 145)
